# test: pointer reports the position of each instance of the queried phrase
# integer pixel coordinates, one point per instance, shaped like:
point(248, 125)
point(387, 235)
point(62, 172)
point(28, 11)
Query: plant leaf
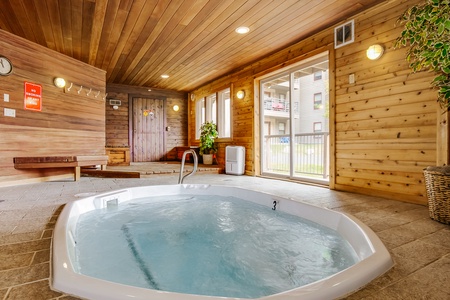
point(447, 24)
point(441, 28)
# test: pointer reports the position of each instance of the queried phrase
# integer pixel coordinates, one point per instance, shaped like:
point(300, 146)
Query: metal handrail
point(194, 155)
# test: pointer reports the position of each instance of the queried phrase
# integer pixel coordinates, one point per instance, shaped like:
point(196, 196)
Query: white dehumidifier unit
point(235, 160)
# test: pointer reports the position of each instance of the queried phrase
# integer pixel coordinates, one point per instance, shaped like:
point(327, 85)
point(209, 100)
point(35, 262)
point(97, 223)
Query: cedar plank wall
point(69, 123)
point(385, 123)
point(242, 117)
point(118, 131)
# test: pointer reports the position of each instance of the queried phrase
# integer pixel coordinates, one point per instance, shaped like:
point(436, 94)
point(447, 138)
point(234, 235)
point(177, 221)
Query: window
point(200, 116)
point(317, 126)
point(224, 113)
point(216, 108)
point(211, 108)
point(296, 110)
point(281, 127)
point(317, 75)
point(318, 101)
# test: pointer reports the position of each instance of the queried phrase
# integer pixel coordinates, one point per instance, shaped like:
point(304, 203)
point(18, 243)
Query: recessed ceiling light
point(242, 30)
point(165, 76)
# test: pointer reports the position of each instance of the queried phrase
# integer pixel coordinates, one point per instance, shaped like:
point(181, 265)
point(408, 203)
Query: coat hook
point(90, 90)
point(68, 89)
point(106, 94)
point(79, 91)
point(97, 94)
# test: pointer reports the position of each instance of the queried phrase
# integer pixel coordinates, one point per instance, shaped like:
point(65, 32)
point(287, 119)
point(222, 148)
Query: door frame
point(258, 116)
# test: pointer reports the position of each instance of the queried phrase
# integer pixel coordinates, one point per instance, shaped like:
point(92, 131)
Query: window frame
point(213, 107)
point(315, 105)
point(315, 129)
point(200, 115)
point(319, 77)
point(224, 113)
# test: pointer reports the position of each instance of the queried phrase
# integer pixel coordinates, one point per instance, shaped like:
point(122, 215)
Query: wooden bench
point(75, 162)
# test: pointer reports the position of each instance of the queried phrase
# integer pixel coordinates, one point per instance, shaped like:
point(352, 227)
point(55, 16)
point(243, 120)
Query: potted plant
point(208, 134)
point(427, 33)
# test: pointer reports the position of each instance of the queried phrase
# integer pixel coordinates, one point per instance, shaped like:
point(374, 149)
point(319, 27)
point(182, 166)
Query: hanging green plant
point(208, 133)
point(427, 32)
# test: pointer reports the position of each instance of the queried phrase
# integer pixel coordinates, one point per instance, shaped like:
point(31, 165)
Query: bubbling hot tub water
point(202, 241)
point(216, 246)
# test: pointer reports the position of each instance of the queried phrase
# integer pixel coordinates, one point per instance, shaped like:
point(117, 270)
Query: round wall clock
point(5, 66)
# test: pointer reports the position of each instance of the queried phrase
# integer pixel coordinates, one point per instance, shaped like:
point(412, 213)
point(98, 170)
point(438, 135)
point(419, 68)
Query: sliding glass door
point(294, 118)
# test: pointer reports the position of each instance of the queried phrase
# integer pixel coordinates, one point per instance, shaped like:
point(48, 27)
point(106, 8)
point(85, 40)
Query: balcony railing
point(275, 104)
point(311, 154)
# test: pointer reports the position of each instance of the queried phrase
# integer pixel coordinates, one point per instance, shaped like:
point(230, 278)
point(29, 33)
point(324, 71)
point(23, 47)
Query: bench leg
point(77, 174)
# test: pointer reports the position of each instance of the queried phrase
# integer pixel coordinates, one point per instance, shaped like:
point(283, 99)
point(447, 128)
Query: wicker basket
point(437, 182)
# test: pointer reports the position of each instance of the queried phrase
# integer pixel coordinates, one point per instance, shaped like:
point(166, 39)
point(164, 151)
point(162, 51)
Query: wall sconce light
point(375, 52)
point(176, 108)
point(115, 107)
point(240, 94)
point(59, 82)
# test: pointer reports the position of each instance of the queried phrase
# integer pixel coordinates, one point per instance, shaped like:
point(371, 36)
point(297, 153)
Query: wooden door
point(148, 129)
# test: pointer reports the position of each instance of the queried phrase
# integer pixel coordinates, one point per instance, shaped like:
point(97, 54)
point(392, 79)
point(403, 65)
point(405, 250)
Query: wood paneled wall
point(386, 121)
point(118, 128)
point(383, 126)
point(242, 117)
point(69, 123)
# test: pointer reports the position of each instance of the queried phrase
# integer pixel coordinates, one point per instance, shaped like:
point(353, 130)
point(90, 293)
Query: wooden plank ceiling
point(192, 41)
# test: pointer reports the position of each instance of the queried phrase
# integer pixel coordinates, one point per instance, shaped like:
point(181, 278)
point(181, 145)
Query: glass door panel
point(295, 117)
point(276, 129)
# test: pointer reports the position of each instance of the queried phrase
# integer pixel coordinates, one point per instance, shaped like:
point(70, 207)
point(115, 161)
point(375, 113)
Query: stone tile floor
point(420, 247)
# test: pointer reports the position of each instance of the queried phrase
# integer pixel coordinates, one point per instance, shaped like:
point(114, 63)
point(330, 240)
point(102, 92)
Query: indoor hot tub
point(194, 241)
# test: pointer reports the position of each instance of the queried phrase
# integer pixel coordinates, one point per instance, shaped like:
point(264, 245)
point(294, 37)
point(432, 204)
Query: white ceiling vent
point(115, 102)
